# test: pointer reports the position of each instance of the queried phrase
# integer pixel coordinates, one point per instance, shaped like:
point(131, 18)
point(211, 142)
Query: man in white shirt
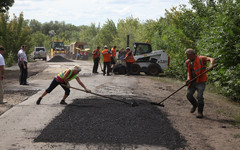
point(22, 63)
point(2, 64)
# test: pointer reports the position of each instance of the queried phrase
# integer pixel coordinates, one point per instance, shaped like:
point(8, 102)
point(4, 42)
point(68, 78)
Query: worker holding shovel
point(63, 79)
point(197, 65)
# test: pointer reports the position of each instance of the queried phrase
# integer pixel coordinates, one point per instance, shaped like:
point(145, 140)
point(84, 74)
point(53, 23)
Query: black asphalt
point(102, 121)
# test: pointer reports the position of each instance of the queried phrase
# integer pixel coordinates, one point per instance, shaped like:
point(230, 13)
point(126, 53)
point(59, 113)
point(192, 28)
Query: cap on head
point(77, 68)
point(105, 46)
point(128, 48)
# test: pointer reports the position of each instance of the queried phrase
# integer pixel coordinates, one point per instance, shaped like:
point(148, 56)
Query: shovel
point(162, 105)
point(100, 65)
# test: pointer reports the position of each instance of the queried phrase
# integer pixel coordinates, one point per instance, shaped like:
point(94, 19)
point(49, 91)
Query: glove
point(210, 67)
point(88, 91)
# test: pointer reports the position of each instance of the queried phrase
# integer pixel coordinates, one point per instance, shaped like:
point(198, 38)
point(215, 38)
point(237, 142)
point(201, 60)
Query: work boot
point(193, 109)
point(194, 104)
point(200, 110)
point(63, 102)
point(200, 115)
point(39, 100)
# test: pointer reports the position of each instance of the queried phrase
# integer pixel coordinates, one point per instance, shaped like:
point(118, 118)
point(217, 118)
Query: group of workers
point(109, 59)
point(196, 65)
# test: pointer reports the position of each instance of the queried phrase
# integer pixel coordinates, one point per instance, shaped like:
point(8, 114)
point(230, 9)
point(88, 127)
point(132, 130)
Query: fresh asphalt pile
point(101, 121)
point(59, 58)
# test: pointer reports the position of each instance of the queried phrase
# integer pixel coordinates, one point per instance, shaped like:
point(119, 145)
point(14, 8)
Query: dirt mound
point(59, 58)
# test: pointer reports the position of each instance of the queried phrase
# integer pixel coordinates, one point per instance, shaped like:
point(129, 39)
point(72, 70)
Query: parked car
point(40, 53)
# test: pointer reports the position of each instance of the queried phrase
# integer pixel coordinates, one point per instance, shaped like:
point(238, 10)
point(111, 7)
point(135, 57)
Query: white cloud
point(85, 12)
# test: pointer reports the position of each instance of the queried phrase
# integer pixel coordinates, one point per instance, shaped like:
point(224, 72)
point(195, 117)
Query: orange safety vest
point(199, 66)
point(113, 53)
point(129, 58)
point(106, 56)
point(96, 54)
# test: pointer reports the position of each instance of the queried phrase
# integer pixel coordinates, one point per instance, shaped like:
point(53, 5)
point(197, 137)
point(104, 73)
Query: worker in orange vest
point(113, 56)
point(197, 65)
point(129, 60)
point(96, 59)
point(106, 61)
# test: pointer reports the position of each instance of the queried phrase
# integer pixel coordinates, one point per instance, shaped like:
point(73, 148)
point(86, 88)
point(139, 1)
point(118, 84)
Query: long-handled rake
point(133, 104)
point(162, 105)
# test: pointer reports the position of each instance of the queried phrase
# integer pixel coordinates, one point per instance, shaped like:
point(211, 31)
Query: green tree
point(5, 5)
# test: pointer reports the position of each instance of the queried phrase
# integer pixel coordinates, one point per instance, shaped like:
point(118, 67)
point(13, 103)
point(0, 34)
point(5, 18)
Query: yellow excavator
point(57, 48)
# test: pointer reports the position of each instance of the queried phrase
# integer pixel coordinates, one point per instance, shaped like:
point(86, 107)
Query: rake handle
point(215, 65)
point(96, 94)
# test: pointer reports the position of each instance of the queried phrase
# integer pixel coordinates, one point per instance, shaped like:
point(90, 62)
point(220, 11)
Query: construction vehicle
point(57, 48)
point(147, 61)
point(79, 50)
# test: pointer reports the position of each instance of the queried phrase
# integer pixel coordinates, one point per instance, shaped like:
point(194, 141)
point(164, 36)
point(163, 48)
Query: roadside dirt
point(216, 131)
point(13, 96)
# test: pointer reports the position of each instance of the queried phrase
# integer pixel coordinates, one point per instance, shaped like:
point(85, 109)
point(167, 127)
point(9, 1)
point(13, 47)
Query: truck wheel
point(135, 69)
point(153, 69)
point(119, 69)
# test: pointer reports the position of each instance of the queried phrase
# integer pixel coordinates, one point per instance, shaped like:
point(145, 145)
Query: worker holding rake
point(63, 79)
point(197, 65)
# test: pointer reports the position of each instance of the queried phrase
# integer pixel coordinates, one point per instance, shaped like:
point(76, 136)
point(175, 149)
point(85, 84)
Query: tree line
point(210, 27)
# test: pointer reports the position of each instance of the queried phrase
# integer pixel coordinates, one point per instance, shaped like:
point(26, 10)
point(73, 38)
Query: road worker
point(106, 61)
point(96, 59)
point(113, 56)
point(129, 60)
point(197, 65)
point(63, 79)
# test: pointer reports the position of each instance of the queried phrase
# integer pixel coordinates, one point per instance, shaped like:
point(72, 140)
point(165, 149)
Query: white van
point(40, 53)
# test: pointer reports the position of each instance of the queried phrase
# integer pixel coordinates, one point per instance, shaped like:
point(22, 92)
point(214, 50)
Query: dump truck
point(79, 50)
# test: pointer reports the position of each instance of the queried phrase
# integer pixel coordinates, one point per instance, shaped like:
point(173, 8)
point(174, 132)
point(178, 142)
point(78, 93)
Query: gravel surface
point(96, 121)
point(59, 58)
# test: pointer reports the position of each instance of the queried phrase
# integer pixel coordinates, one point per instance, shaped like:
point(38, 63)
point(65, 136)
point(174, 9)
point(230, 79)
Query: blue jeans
point(200, 87)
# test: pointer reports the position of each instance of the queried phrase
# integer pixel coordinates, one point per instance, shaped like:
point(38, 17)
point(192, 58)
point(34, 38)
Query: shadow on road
point(101, 121)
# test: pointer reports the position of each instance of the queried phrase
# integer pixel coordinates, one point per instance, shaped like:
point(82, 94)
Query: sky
point(86, 12)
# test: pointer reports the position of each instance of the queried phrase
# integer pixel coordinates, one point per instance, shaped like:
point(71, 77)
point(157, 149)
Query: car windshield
point(40, 48)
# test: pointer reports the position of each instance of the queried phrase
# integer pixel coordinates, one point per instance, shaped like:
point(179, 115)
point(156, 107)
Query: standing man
point(106, 61)
point(2, 64)
point(22, 63)
point(96, 59)
point(113, 56)
point(197, 65)
point(129, 60)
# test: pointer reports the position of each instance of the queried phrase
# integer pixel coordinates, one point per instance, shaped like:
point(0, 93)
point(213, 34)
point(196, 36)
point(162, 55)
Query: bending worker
point(63, 78)
point(197, 65)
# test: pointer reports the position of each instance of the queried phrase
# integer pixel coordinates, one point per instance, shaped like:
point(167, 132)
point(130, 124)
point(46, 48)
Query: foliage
point(211, 27)
point(5, 5)
point(14, 33)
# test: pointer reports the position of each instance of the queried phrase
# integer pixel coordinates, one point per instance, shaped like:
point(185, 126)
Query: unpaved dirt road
point(91, 122)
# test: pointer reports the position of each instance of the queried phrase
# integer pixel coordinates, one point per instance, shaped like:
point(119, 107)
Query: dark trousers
point(200, 87)
point(95, 65)
point(54, 84)
point(129, 67)
point(108, 66)
point(23, 73)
